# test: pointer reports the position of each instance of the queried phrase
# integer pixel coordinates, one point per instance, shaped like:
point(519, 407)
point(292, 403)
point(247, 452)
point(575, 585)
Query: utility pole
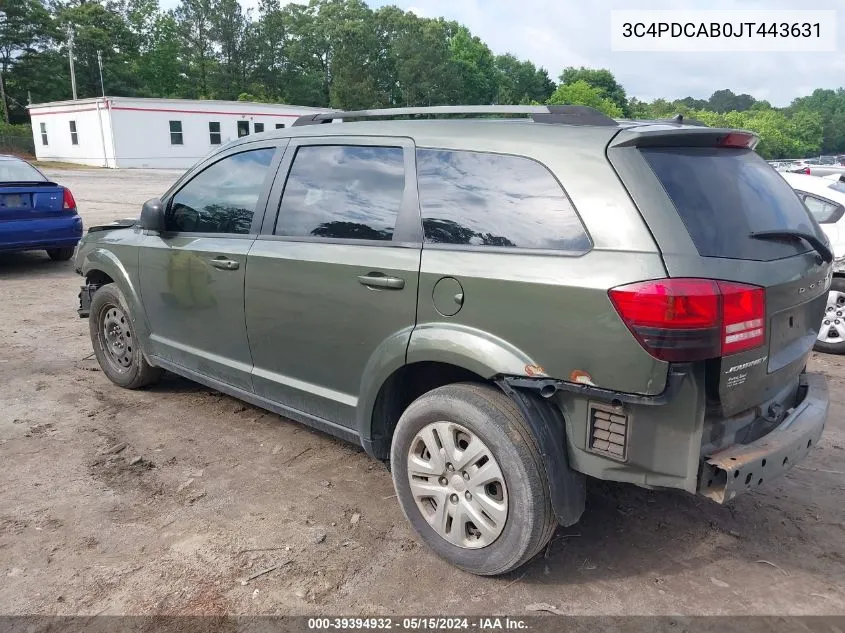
point(70, 59)
point(100, 63)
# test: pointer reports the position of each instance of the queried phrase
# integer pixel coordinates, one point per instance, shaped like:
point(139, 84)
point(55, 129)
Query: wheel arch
point(100, 267)
point(419, 359)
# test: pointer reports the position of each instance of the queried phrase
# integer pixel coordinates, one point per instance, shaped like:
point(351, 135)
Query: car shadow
point(627, 531)
point(31, 264)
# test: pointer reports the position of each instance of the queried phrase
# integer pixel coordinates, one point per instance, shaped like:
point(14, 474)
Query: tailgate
point(19, 202)
point(704, 204)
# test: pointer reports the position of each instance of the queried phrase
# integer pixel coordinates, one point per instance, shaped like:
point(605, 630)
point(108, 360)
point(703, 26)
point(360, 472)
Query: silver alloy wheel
point(457, 485)
point(116, 338)
point(833, 324)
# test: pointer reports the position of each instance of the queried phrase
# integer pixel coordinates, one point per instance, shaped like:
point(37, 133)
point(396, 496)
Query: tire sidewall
point(837, 285)
point(523, 519)
point(106, 297)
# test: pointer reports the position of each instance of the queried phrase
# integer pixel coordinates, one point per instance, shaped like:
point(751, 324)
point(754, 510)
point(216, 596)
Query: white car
point(825, 199)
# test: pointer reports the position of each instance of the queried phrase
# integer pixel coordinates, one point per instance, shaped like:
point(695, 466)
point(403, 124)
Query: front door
point(192, 275)
point(333, 278)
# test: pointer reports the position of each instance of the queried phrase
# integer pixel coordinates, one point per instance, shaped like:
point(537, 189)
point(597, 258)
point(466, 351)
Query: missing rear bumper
point(741, 467)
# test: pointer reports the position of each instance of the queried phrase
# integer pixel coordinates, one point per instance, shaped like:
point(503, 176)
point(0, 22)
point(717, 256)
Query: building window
point(280, 126)
point(44, 134)
point(176, 133)
point(214, 132)
point(259, 127)
point(74, 137)
point(243, 128)
point(343, 192)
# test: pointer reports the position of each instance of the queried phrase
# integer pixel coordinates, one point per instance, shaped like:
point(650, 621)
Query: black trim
point(567, 487)
point(574, 115)
point(548, 387)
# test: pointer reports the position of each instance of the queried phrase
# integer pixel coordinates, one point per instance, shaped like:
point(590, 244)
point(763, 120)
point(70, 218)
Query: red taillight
point(69, 202)
point(738, 139)
point(692, 319)
point(743, 317)
point(807, 171)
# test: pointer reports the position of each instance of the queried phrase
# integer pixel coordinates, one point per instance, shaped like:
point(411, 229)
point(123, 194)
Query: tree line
point(339, 54)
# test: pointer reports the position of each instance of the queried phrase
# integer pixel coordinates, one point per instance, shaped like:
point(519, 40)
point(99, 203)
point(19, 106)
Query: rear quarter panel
point(554, 308)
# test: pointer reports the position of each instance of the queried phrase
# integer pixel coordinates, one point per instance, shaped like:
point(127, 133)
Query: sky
point(559, 33)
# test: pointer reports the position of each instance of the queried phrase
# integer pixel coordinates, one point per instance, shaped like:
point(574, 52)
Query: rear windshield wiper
point(814, 241)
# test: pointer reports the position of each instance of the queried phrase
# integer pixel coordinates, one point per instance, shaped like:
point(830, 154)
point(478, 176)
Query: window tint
point(222, 198)
point(43, 133)
point(723, 195)
point(259, 127)
point(347, 192)
point(482, 199)
point(176, 133)
point(243, 128)
point(74, 137)
point(824, 211)
point(280, 126)
point(214, 132)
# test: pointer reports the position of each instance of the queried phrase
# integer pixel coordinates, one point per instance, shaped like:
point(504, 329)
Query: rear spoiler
point(664, 136)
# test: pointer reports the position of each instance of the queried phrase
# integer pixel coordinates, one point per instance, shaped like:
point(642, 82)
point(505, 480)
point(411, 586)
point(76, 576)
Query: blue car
point(36, 213)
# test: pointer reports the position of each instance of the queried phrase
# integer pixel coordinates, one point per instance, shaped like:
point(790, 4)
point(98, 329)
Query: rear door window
point(723, 195)
point(351, 192)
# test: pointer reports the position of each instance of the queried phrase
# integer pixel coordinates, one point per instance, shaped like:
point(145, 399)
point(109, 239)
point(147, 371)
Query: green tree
point(26, 28)
point(582, 93)
point(195, 24)
point(601, 79)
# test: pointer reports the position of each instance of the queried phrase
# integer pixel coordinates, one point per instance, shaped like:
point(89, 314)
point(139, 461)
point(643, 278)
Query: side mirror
point(152, 215)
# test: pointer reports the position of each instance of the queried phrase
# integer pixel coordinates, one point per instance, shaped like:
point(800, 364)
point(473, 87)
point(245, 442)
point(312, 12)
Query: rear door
point(703, 198)
point(332, 279)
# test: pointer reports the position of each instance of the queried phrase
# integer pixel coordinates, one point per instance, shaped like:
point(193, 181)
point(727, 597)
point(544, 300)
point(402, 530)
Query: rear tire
point(60, 254)
point(115, 345)
point(482, 420)
point(835, 303)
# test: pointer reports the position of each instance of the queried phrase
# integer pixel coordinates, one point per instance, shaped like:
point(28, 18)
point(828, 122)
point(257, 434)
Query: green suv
point(499, 306)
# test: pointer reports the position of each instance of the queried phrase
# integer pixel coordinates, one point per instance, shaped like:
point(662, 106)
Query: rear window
point(724, 195)
point(19, 171)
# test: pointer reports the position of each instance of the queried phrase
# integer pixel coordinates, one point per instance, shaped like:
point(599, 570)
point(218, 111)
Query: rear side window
point(825, 211)
point(724, 195)
point(343, 192)
point(838, 185)
point(483, 199)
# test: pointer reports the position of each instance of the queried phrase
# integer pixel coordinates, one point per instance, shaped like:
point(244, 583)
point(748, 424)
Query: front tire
point(60, 254)
point(469, 478)
point(115, 345)
point(831, 339)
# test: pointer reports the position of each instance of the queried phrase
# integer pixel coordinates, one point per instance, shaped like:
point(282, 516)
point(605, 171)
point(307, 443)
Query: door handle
point(378, 280)
point(225, 264)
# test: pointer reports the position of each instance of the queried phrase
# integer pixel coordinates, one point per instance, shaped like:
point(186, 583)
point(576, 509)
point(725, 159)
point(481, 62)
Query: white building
point(160, 133)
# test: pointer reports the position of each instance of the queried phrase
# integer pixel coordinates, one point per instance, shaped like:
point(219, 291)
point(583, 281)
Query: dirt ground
point(209, 491)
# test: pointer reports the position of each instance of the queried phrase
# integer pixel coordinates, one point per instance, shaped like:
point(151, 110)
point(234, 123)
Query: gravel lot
point(210, 491)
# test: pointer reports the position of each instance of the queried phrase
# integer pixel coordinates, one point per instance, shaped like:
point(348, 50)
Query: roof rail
point(561, 114)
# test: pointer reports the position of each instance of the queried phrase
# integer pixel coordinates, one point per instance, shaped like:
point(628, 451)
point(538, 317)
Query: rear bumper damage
point(741, 467)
